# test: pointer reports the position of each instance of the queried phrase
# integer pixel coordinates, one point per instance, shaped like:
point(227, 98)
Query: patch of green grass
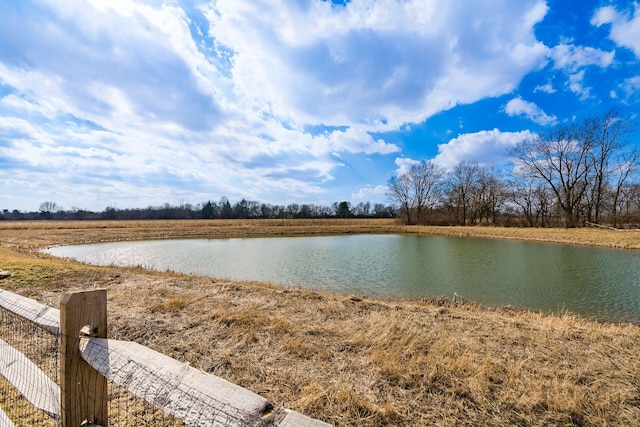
point(30, 270)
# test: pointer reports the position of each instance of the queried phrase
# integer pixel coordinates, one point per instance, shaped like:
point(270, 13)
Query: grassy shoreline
point(38, 234)
point(353, 360)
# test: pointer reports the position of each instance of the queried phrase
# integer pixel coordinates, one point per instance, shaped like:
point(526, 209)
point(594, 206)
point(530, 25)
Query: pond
point(593, 282)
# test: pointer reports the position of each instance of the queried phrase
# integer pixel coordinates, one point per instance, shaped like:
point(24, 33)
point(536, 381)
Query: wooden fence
point(88, 361)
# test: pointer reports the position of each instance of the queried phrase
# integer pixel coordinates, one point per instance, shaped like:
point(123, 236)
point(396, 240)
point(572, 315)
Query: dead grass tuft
point(355, 361)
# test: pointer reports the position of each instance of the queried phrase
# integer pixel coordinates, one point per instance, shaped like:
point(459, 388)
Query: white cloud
point(484, 147)
point(546, 88)
point(625, 28)
point(375, 64)
point(631, 87)
point(17, 129)
point(576, 85)
point(369, 192)
point(111, 68)
point(571, 58)
point(355, 140)
point(520, 107)
point(404, 164)
point(138, 101)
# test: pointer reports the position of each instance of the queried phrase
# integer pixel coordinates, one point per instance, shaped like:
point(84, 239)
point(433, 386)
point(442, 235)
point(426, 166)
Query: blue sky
point(136, 103)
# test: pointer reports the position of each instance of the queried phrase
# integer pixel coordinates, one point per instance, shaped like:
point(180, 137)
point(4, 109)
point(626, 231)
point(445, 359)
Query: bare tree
point(49, 208)
point(562, 158)
point(626, 166)
point(459, 192)
point(417, 191)
point(426, 179)
point(487, 194)
point(585, 165)
point(292, 209)
point(531, 196)
point(474, 193)
point(629, 203)
point(400, 192)
point(362, 210)
point(609, 155)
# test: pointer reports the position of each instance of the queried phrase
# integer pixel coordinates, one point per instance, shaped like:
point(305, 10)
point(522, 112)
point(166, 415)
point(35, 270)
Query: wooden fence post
point(83, 390)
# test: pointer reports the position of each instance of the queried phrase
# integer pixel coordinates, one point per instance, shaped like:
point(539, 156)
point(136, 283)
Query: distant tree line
point(222, 209)
point(572, 175)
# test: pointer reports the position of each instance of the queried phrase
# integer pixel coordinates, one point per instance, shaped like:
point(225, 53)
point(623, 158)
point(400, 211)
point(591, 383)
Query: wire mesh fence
point(21, 396)
point(51, 377)
point(21, 336)
point(193, 396)
point(126, 410)
point(123, 408)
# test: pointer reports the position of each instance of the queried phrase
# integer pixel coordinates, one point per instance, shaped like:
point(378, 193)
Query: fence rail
point(41, 315)
point(30, 380)
point(89, 362)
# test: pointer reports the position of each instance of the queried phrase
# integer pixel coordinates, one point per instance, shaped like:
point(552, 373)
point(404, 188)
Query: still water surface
point(593, 282)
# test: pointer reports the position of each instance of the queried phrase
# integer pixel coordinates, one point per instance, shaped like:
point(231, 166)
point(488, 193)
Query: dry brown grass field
point(353, 360)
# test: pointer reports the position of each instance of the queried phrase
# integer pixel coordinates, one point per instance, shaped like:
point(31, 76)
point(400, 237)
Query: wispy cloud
point(374, 64)
point(572, 58)
point(135, 103)
point(546, 88)
point(370, 193)
point(519, 107)
point(625, 26)
point(631, 88)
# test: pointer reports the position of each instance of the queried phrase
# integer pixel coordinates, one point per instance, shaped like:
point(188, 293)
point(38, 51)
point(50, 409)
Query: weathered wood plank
point(195, 397)
point(29, 380)
point(83, 389)
point(4, 420)
point(45, 317)
point(187, 393)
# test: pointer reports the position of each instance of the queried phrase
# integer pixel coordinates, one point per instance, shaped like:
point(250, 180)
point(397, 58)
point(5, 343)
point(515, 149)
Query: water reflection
point(594, 282)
